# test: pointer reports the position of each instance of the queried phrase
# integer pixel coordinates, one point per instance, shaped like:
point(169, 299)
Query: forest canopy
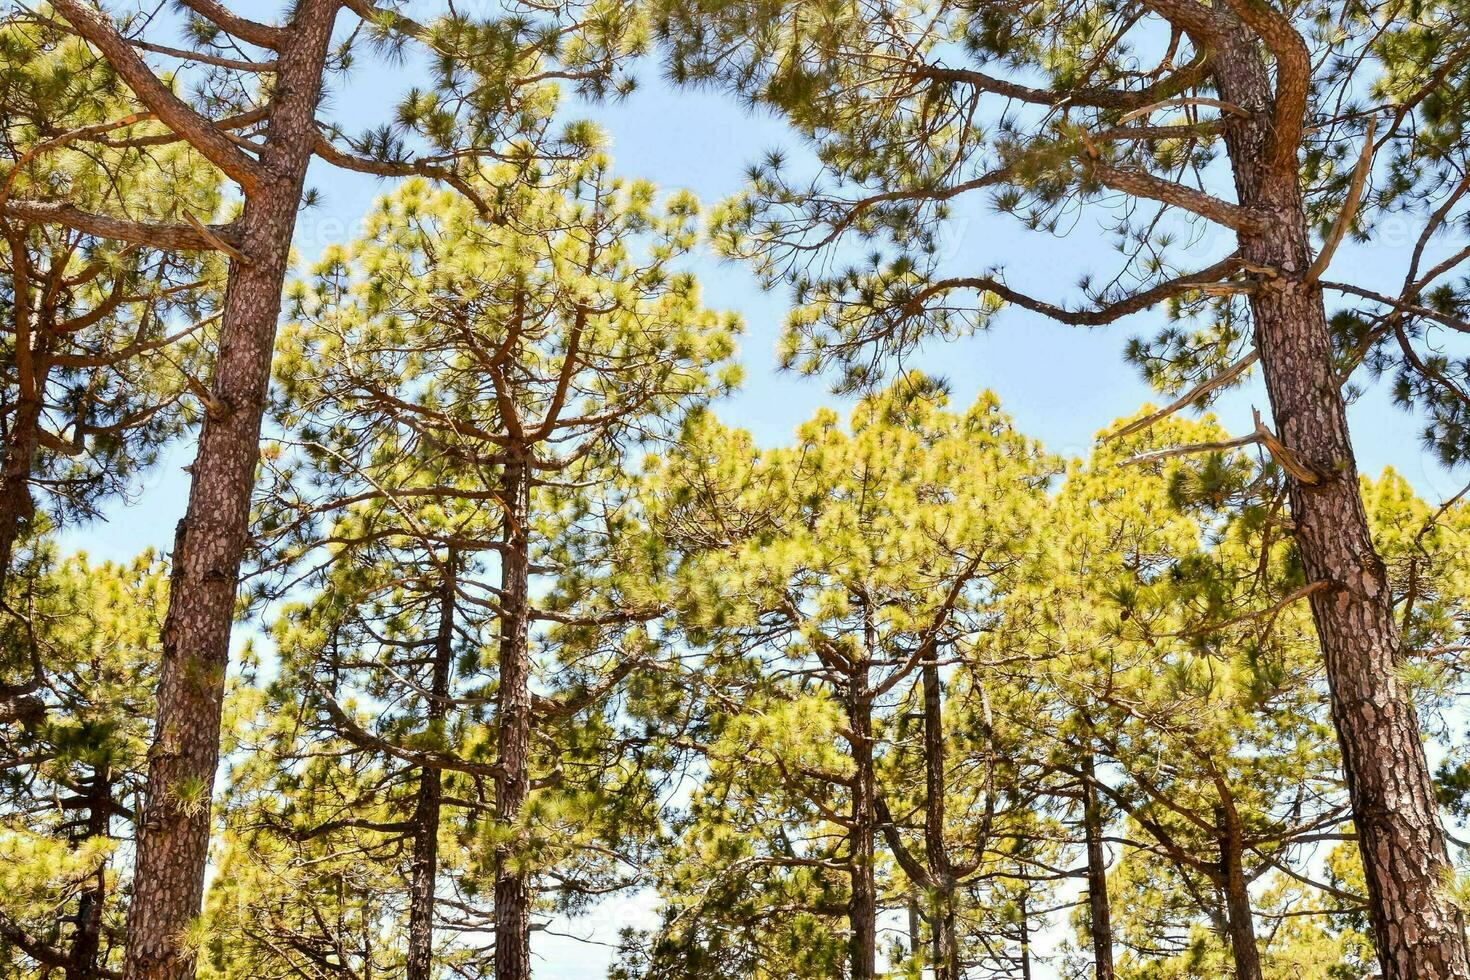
point(546, 573)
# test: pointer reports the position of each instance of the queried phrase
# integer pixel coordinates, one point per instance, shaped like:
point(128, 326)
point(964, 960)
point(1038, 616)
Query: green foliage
point(70, 780)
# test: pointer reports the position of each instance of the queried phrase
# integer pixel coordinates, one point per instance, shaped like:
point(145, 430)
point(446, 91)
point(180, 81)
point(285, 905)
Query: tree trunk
point(16, 504)
point(862, 906)
point(86, 942)
point(173, 841)
point(1025, 940)
point(1239, 918)
point(946, 941)
point(1100, 914)
point(424, 862)
point(513, 782)
point(916, 932)
point(1418, 931)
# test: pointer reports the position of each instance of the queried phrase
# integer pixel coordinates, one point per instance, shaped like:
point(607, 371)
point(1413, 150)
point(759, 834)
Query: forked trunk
point(173, 833)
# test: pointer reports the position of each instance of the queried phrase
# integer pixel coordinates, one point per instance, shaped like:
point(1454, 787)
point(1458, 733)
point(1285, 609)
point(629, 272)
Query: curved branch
point(1211, 277)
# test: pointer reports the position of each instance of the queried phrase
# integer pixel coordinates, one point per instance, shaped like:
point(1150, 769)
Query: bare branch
point(1349, 207)
point(176, 237)
point(260, 35)
point(1188, 398)
point(338, 157)
point(1208, 278)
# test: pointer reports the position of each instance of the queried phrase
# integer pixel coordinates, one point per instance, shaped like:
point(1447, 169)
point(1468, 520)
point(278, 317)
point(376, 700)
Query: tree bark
point(513, 781)
point(173, 843)
point(916, 932)
point(22, 436)
point(424, 862)
point(1100, 915)
point(1420, 934)
point(862, 905)
point(1239, 917)
point(17, 507)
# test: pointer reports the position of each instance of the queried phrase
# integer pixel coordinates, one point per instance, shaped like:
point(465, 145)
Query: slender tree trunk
point(173, 842)
point(1419, 933)
point(946, 940)
point(1239, 917)
point(16, 504)
point(1100, 914)
point(916, 932)
point(424, 862)
point(1025, 939)
point(513, 782)
point(862, 906)
point(87, 940)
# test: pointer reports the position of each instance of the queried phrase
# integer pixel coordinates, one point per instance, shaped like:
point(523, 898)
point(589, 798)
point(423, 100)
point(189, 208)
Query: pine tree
point(256, 120)
point(460, 402)
point(103, 339)
point(830, 582)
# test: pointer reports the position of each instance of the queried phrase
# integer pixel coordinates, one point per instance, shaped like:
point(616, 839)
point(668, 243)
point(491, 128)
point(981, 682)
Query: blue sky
point(1062, 384)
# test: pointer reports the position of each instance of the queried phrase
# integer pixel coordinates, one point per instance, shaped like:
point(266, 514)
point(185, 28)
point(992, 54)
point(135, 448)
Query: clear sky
point(1062, 384)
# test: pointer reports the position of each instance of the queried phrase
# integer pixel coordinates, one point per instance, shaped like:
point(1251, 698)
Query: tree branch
point(174, 237)
point(1210, 277)
point(201, 133)
point(260, 35)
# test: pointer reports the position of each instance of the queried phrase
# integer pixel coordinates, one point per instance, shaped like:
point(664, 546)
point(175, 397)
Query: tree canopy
point(485, 624)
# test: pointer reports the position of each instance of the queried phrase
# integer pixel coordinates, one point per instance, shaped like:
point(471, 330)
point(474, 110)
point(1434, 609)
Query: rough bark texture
point(424, 861)
point(22, 433)
point(1100, 914)
point(513, 782)
point(862, 905)
point(1418, 931)
point(173, 844)
point(1239, 918)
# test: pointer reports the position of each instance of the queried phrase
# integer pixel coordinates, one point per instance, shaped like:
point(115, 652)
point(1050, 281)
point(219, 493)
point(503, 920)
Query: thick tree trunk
point(1100, 914)
point(1239, 917)
point(862, 905)
point(173, 843)
point(513, 782)
point(86, 941)
point(424, 861)
point(1418, 930)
